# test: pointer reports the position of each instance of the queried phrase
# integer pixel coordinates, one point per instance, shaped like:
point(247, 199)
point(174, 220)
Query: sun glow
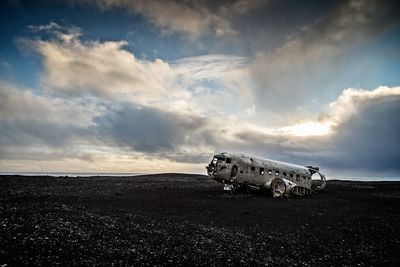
point(307, 129)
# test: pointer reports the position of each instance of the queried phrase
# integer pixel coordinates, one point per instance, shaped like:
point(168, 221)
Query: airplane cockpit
point(219, 166)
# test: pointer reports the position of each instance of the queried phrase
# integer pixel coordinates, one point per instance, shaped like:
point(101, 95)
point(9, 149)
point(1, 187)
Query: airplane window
point(277, 173)
point(269, 172)
point(297, 177)
point(253, 168)
point(291, 175)
point(284, 174)
point(261, 171)
point(228, 160)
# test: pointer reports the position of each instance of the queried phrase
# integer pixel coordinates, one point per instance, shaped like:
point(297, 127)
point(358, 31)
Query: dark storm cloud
point(153, 130)
point(256, 142)
point(258, 25)
point(271, 23)
point(370, 139)
point(268, 25)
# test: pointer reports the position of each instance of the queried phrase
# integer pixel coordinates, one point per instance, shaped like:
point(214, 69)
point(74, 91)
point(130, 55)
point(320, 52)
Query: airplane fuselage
point(237, 170)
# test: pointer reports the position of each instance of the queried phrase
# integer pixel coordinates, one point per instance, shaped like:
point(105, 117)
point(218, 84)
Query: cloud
point(299, 69)
point(44, 128)
point(99, 103)
point(363, 136)
point(367, 136)
point(225, 75)
point(47, 27)
point(363, 139)
point(365, 143)
point(27, 118)
point(208, 67)
point(152, 130)
point(192, 18)
point(52, 128)
point(104, 69)
point(311, 56)
point(47, 132)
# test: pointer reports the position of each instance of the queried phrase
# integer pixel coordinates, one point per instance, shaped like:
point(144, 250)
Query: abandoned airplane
point(237, 171)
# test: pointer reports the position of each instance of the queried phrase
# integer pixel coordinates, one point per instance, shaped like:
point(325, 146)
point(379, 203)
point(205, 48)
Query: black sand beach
point(180, 219)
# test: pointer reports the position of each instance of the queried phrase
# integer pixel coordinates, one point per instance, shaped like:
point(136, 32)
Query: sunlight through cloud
point(307, 129)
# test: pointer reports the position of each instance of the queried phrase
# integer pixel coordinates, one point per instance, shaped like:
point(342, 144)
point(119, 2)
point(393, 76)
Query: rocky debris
point(176, 219)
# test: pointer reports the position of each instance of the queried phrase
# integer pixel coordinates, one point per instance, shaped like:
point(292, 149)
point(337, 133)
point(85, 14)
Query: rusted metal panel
point(237, 171)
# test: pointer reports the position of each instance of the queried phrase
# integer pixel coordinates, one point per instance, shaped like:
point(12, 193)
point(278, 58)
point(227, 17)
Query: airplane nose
point(211, 169)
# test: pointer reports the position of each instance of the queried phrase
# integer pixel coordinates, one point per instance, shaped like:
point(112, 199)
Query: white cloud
point(240, 81)
point(51, 26)
point(66, 34)
point(352, 99)
point(208, 67)
point(229, 90)
point(106, 70)
point(103, 69)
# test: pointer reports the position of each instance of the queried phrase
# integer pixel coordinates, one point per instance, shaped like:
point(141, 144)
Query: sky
point(160, 86)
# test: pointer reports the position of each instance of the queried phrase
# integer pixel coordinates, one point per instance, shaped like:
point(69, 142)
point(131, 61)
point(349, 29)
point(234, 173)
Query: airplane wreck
point(237, 171)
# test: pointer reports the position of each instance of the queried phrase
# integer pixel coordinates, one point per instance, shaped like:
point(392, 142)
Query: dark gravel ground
point(180, 219)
